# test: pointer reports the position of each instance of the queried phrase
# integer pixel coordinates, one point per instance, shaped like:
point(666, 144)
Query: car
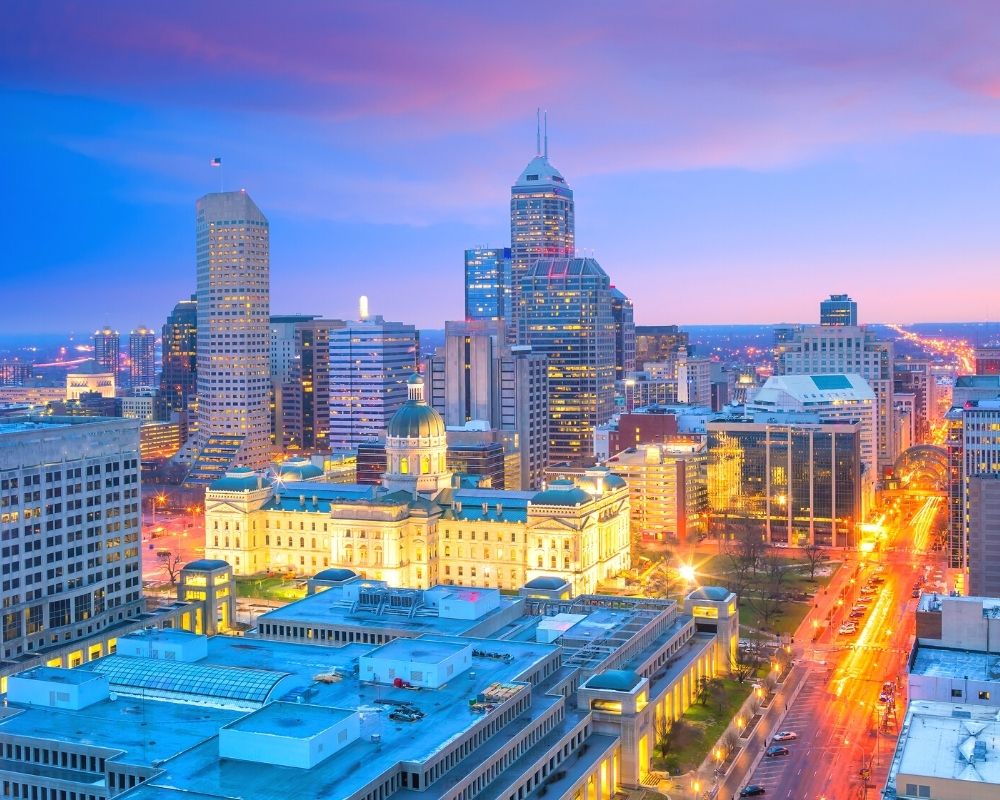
point(752, 790)
point(776, 750)
point(857, 613)
point(847, 629)
point(784, 736)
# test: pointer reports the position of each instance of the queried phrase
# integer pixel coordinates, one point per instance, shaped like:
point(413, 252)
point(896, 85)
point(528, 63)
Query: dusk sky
point(732, 162)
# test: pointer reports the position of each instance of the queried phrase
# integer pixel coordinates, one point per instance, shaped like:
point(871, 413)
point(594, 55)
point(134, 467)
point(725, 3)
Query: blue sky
point(732, 162)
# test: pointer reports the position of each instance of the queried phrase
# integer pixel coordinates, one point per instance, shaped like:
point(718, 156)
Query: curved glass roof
point(238, 684)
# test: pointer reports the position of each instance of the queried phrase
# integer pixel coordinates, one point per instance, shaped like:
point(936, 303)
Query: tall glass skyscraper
point(565, 314)
point(141, 357)
point(541, 220)
point(624, 316)
point(107, 350)
point(233, 257)
point(487, 283)
point(178, 379)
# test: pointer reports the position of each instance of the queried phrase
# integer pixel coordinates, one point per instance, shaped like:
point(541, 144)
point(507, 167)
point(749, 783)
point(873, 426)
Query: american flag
point(217, 162)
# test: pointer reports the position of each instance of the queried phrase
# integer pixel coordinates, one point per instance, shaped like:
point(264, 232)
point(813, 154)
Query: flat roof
point(297, 720)
point(329, 607)
point(421, 650)
point(21, 427)
point(940, 742)
point(939, 662)
point(57, 675)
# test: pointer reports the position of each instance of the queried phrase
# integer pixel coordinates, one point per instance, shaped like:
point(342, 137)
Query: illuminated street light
point(687, 573)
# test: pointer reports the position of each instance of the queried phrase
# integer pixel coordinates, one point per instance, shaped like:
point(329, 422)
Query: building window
point(984, 695)
point(956, 692)
point(404, 466)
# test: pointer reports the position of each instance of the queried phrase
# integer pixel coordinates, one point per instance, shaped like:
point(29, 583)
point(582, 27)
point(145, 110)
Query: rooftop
point(939, 740)
point(939, 662)
point(290, 719)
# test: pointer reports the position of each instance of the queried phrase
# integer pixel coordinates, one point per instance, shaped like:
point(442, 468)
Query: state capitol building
point(418, 528)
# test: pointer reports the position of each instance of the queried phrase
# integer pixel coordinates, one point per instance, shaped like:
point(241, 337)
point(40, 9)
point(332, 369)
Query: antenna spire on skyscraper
point(546, 133)
point(538, 131)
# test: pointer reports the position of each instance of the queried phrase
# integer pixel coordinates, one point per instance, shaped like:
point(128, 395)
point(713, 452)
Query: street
point(841, 726)
point(179, 533)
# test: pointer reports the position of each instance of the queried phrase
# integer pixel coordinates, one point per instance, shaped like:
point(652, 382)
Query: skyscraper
point(565, 314)
point(838, 309)
point(844, 350)
point(141, 357)
point(487, 282)
point(541, 219)
point(107, 350)
point(657, 343)
point(233, 256)
point(178, 379)
point(624, 317)
point(370, 362)
point(476, 377)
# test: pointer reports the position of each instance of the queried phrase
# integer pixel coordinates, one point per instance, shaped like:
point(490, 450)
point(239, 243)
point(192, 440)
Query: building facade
point(915, 376)
point(658, 343)
point(142, 358)
point(984, 536)
point(370, 361)
point(565, 314)
point(477, 378)
point(624, 317)
point(542, 224)
point(107, 350)
point(844, 350)
point(487, 283)
point(794, 479)
point(70, 523)
point(179, 377)
point(233, 311)
point(668, 489)
point(838, 310)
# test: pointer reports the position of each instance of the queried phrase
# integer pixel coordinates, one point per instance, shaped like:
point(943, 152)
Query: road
point(840, 723)
point(181, 533)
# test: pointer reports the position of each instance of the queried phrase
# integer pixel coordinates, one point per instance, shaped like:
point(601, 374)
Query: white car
point(784, 736)
point(848, 627)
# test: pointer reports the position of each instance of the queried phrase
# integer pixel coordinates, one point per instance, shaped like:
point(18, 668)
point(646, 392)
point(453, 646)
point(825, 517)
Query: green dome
point(716, 594)
point(561, 497)
point(416, 420)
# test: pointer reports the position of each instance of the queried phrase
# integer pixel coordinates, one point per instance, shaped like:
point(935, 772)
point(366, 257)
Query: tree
point(816, 556)
point(743, 550)
point(663, 735)
point(730, 742)
point(767, 584)
point(172, 564)
point(745, 665)
point(709, 689)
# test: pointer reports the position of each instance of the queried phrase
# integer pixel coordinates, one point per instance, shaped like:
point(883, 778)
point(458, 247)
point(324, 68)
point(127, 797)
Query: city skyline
point(751, 145)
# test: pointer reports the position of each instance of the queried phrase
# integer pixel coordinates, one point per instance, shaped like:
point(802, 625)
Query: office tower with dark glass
point(370, 362)
point(658, 343)
point(70, 521)
point(565, 314)
point(838, 309)
point(541, 219)
point(107, 350)
point(487, 282)
point(141, 357)
point(624, 317)
point(233, 258)
point(178, 378)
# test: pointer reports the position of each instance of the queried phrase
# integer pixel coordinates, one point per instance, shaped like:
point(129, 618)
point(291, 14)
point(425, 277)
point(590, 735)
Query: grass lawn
point(787, 619)
point(270, 588)
point(709, 723)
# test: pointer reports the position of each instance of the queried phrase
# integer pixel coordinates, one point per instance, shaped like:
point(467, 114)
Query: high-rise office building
point(66, 481)
point(487, 283)
point(657, 343)
point(795, 480)
point(300, 375)
point(142, 357)
point(624, 317)
point(107, 350)
point(565, 314)
point(477, 378)
point(915, 376)
point(844, 350)
point(178, 379)
point(838, 309)
point(233, 258)
point(541, 220)
point(984, 536)
point(370, 362)
point(14, 372)
point(987, 360)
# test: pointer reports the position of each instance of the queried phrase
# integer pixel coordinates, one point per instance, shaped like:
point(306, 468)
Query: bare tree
point(663, 735)
point(766, 598)
point(730, 742)
point(172, 564)
point(816, 556)
point(743, 550)
point(745, 665)
point(709, 690)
